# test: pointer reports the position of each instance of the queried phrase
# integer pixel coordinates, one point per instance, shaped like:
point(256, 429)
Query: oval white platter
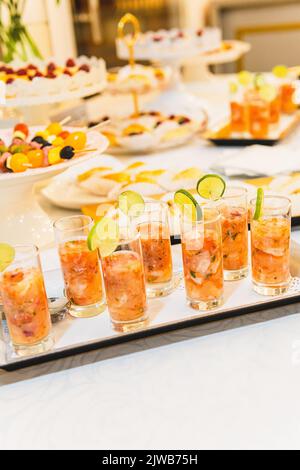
point(63, 192)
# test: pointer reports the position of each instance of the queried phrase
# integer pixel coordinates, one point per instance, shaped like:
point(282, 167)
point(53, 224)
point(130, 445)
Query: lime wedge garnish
point(131, 203)
point(268, 93)
point(211, 187)
point(104, 236)
point(245, 78)
point(259, 80)
point(188, 205)
point(7, 255)
point(259, 204)
point(280, 71)
point(233, 87)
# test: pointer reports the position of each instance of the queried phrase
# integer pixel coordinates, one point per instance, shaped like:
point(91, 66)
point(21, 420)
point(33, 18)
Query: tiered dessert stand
point(141, 131)
point(176, 54)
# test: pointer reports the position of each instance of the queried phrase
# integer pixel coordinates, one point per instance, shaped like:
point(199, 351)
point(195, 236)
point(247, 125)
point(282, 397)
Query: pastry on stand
point(139, 78)
point(33, 87)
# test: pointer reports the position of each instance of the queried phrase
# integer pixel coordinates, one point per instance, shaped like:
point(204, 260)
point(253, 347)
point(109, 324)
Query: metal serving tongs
point(130, 40)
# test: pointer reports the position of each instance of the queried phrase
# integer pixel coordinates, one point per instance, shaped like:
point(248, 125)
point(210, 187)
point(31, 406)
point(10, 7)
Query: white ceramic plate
point(64, 192)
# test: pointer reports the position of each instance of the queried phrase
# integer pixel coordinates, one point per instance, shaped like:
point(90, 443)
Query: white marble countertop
point(225, 385)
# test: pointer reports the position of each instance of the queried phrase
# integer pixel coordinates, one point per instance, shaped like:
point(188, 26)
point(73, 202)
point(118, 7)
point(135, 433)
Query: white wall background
point(268, 48)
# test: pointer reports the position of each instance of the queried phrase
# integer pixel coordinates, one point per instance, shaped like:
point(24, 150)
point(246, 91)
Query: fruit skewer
point(48, 147)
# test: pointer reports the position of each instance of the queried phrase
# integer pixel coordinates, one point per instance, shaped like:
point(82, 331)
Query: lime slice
point(259, 80)
point(211, 187)
point(245, 78)
point(104, 236)
point(188, 205)
point(259, 204)
point(268, 93)
point(280, 71)
point(7, 255)
point(131, 203)
point(233, 87)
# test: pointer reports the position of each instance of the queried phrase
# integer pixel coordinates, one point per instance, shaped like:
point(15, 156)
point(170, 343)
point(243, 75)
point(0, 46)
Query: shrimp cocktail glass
point(24, 299)
point(238, 104)
point(81, 267)
point(233, 206)
point(288, 103)
point(152, 222)
point(275, 109)
point(270, 243)
point(201, 241)
point(258, 116)
point(234, 218)
point(123, 272)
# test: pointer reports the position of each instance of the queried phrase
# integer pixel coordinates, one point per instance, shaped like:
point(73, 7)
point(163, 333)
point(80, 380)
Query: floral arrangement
point(15, 40)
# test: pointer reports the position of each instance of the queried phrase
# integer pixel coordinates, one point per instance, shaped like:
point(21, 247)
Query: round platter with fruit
point(31, 155)
point(40, 82)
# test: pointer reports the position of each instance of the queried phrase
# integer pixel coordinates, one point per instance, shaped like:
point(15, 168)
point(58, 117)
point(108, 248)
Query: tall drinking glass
point(258, 118)
point(275, 109)
point(203, 260)
point(25, 303)
point(234, 217)
point(81, 267)
point(124, 278)
point(153, 226)
point(238, 116)
point(270, 246)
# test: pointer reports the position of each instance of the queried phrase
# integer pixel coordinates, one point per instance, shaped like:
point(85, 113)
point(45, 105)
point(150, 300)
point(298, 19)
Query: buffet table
point(229, 384)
